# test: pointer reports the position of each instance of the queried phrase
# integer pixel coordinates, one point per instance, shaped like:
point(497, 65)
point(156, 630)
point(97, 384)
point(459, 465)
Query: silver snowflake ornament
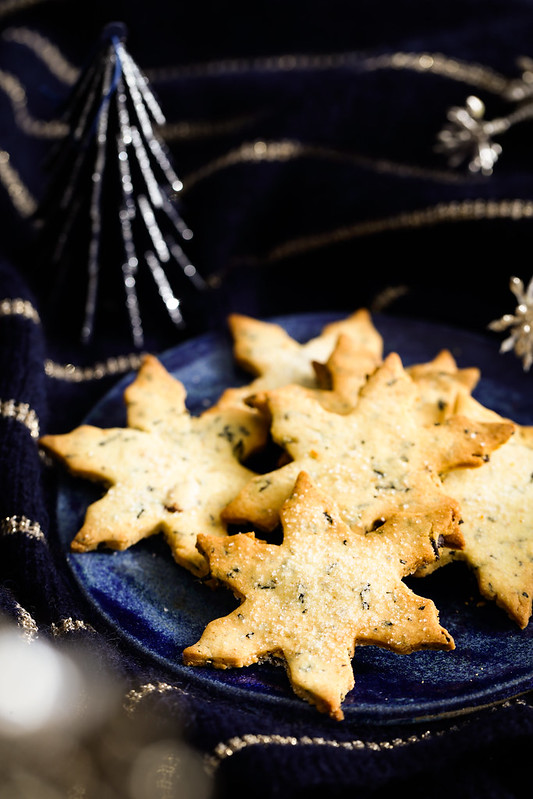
point(468, 137)
point(520, 324)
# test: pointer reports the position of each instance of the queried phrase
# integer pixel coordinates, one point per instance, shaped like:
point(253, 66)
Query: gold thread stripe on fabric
point(48, 52)
point(432, 63)
point(70, 625)
point(27, 624)
point(435, 63)
point(11, 6)
point(14, 525)
point(425, 62)
point(19, 307)
point(21, 197)
point(257, 152)
point(260, 151)
point(202, 129)
point(16, 93)
point(20, 412)
point(232, 746)
point(78, 374)
point(136, 695)
point(455, 211)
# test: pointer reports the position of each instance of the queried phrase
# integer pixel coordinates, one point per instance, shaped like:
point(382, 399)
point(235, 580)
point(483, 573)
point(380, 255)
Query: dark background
point(305, 135)
point(342, 215)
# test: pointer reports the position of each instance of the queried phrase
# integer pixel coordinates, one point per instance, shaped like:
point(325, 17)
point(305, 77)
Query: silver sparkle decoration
point(468, 137)
point(115, 117)
point(520, 324)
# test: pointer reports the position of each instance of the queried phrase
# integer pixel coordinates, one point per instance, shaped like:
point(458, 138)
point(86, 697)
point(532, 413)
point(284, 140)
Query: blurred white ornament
point(39, 688)
point(169, 768)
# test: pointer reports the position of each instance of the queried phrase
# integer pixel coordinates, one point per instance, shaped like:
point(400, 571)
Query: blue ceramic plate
point(159, 608)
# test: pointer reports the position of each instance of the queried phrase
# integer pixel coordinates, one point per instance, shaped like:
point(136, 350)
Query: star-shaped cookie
point(439, 381)
point(265, 350)
point(167, 471)
point(374, 461)
point(311, 600)
point(497, 511)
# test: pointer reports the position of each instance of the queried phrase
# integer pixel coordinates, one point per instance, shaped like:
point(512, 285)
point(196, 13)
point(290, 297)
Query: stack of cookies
point(376, 471)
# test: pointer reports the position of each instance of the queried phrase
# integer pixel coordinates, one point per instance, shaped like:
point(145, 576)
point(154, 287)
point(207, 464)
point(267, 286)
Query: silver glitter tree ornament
point(113, 174)
point(520, 324)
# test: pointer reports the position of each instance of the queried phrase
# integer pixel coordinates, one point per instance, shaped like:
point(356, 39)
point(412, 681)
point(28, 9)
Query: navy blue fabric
point(312, 221)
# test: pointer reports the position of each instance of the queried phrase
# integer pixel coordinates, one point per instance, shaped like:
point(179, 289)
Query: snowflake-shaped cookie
point(439, 381)
point(497, 510)
point(311, 600)
point(268, 352)
point(375, 461)
point(167, 471)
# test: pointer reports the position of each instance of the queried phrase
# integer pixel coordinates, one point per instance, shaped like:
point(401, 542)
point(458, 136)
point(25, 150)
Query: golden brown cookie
point(268, 352)
point(497, 511)
point(374, 461)
point(167, 471)
point(440, 383)
point(311, 600)
point(343, 375)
